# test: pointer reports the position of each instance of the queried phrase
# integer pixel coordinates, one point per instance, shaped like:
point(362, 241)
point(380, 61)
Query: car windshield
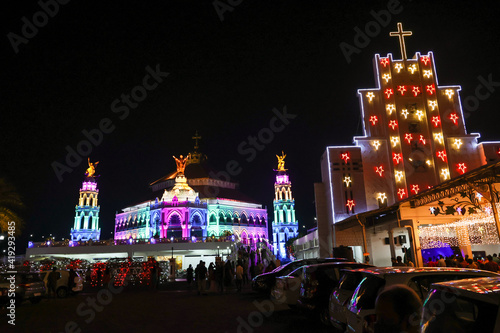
point(366, 293)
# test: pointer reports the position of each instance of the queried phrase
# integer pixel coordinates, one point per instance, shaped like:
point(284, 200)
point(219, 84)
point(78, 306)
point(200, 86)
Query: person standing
point(441, 262)
point(201, 275)
point(239, 276)
point(52, 282)
point(490, 265)
point(189, 274)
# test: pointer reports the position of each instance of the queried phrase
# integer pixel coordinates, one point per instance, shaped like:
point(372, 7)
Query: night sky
point(224, 80)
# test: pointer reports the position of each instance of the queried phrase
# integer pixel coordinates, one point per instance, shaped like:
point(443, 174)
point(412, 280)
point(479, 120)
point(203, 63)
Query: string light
point(431, 89)
point(376, 144)
point(388, 92)
point(373, 120)
point(449, 93)
point(370, 96)
point(405, 113)
point(433, 105)
point(379, 170)
point(402, 90)
point(394, 140)
point(398, 67)
point(386, 77)
point(427, 73)
point(390, 108)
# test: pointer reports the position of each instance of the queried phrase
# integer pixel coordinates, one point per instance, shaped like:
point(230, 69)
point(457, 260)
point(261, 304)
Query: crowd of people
point(490, 263)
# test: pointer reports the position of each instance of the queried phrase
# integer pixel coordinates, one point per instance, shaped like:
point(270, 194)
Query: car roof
point(383, 271)
point(484, 288)
point(337, 263)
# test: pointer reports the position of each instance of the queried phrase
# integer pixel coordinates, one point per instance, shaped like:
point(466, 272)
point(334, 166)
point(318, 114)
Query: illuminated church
point(193, 203)
point(408, 172)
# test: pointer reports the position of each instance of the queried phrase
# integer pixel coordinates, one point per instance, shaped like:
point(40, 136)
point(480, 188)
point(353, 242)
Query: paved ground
point(172, 308)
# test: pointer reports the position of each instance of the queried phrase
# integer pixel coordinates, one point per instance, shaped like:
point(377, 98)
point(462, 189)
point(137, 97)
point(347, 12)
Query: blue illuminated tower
point(285, 226)
point(86, 226)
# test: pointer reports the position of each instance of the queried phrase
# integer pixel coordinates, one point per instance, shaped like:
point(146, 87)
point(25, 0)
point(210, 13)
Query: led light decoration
point(347, 181)
point(458, 143)
point(373, 120)
point(436, 120)
point(405, 113)
point(393, 124)
point(398, 175)
point(433, 105)
point(431, 89)
point(376, 144)
point(415, 90)
point(415, 189)
point(412, 68)
point(438, 137)
point(386, 77)
point(394, 140)
point(397, 157)
point(427, 73)
point(454, 118)
point(449, 93)
point(425, 59)
point(401, 193)
point(384, 62)
point(408, 137)
point(445, 173)
point(402, 90)
point(422, 140)
point(388, 92)
point(462, 167)
point(428, 162)
point(420, 114)
point(370, 95)
point(380, 170)
point(442, 155)
point(382, 197)
point(345, 156)
point(390, 108)
point(350, 203)
point(432, 209)
point(398, 66)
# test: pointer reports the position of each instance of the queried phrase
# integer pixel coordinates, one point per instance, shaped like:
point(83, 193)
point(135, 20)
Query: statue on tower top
point(281, 162)
point(181, 163)
point(91, 169)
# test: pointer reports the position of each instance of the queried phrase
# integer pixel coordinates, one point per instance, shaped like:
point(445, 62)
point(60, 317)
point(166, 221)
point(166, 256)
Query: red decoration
point(425, 59)
point(442, 155)
point(384, 62)
point(431, 89)
point(393, 123)
point(373, 120)
point(422, 139)
point(401, 193)
point(388, 92)
point(461, 167)
point(415, 90)
point(345, 157)
point(350, 204)
point(408, 137)
point(454, 118)
point(402, 90)
point(397, 157)
point(379, 170)
point(436, 120)
point(415, 189)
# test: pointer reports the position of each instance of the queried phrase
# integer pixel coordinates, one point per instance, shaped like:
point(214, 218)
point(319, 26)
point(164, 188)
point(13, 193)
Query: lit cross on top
point(401, 34)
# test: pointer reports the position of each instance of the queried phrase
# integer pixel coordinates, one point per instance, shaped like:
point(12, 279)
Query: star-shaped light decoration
point(412, 68)
point(433, 105)
point(345, 157)
point(397, 157)
point(422, 140)
point(393, 123)
point(459, 210)
point(382, 197)
point(488, 210)
point(442, 155)
point(394, 140)
point(481, 229)
point(398, 175)
point(438, 137)
point(479, 196)
point(458, 143)
point(415, 189)
point(384, 62)
point(370, 95)
point(386, 77)
point(445, 173)
point(427, 73)
point(390, 108)
point(420, 114)
point(408, 137)
point(379, 170)
point(376, 144)
point(405, 113)
point(436, 120)
point(431, 89)
point(432, 209)
point(415, 90)
point(454, 118)
point(398, 66)
point(388, 92)
point(462, 167)
point(425, 59)
point(401, 193)
point(347, 181)
point(449, 93)
point(350, 203)
point(373, 120)
point(402, 90)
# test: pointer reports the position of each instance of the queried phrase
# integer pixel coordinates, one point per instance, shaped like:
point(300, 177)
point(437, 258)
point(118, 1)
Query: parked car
point(360, 312)
point(287, 288)
point(263, 283)
point(28, 286)
point(317, 284)
point(471, 305)
point(62, 289)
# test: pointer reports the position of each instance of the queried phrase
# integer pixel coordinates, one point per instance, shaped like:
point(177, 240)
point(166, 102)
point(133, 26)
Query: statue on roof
point(281, 162)
point(181, 163)
point(91, 169)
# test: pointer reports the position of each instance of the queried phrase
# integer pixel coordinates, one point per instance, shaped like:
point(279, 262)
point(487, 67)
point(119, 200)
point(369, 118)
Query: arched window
point(174, 220)
point(222, 218)
point(213, 219)
point(196, 219)
point(244, 219)
point(250, 221)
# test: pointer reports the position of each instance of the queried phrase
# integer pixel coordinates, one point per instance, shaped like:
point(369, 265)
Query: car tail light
point(369, 322)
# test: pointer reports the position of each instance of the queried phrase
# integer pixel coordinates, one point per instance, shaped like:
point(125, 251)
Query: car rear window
point(350, 280)
point(422, 284)
point(366, 293)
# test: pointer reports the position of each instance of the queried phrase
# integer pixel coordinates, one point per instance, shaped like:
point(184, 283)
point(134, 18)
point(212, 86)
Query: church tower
point(285, 226)
point(86, 226)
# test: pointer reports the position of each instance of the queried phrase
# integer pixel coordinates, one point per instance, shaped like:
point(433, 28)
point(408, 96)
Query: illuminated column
point(86, 226)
